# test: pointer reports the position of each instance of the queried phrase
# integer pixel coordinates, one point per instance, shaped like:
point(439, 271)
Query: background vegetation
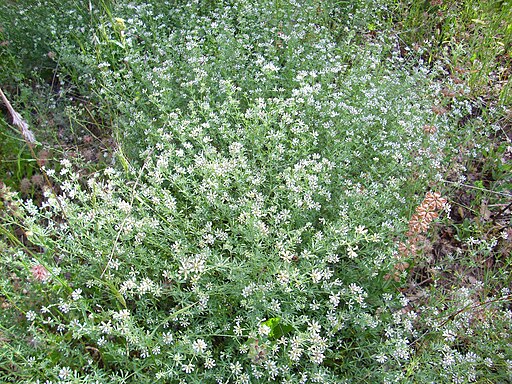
point(230, 192)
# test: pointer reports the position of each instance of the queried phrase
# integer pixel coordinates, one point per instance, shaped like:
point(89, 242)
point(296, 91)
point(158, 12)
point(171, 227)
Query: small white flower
point(295, 353)
point(269, 68)
point(334, 299)
point(316, 275)
point(264, 330)
point(209, 363)
point(105, 327)
point(237, 329)
point(146, 285)
point(381, 358)
point(199, 346)
point(352, 254)
point(314, 327)
point(449, 336)
point(64, 307)
point(361, 230)
point(283, 277)
point(488, 362)
point(122, 315)
point(167, 338)
point(31, 315)
point(65, 163)
point(236, 368)
point(77, 294)
point(188, 368)
point(316, 355)
point(64, 373)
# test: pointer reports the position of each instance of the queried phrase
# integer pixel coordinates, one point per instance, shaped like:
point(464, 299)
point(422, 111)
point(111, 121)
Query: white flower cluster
point(245, 232)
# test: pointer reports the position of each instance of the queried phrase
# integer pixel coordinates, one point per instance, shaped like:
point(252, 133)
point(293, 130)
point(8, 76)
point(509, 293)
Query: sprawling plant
point(248, 230)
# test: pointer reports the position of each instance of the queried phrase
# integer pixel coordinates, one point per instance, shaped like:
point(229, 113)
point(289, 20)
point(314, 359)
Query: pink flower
point(39, 272)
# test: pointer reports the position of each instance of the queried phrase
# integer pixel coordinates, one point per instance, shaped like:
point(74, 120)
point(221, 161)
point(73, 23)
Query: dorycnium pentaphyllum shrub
point(248, 228)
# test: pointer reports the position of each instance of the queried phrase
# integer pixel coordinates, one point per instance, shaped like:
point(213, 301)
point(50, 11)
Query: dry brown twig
point(18, 121)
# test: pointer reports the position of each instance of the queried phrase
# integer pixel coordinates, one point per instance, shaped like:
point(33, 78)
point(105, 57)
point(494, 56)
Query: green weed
point(270, 212)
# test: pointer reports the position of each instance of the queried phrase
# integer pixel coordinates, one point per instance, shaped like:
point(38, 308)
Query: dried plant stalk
point(18, 121)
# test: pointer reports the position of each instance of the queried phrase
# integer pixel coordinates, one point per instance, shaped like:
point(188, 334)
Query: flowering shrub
point(247, 230)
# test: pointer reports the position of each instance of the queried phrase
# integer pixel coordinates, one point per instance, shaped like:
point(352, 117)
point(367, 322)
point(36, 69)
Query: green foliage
point(473, 38)
point(247, 230)
point(16, 160)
